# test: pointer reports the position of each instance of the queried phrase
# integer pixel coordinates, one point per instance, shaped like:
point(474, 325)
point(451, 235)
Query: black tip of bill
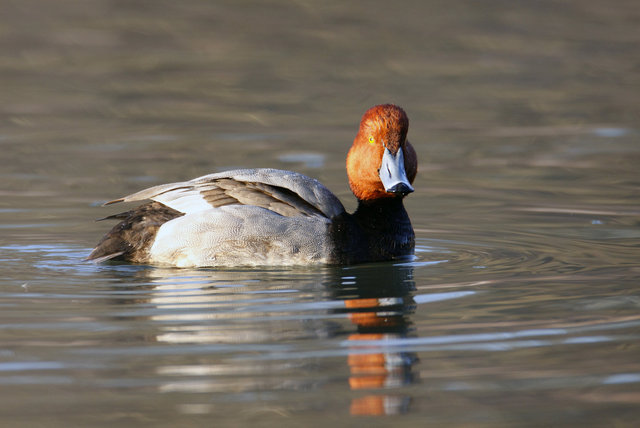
point(401, 188)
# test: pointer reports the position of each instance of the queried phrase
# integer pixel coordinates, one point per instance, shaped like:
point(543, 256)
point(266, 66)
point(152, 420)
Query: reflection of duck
point(246, 331)
point(378, 301)
point(227, 325)
point(267, 216)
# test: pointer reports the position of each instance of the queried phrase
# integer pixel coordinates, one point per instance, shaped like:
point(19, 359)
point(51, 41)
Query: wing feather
point(284, 192)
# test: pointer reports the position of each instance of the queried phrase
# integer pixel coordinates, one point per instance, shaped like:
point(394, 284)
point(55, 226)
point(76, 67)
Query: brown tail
point(131, 239)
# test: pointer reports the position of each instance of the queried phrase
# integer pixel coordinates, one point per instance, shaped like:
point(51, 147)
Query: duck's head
point(381, 163)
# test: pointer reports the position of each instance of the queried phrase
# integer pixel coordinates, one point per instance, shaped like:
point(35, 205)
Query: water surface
point(521, 307)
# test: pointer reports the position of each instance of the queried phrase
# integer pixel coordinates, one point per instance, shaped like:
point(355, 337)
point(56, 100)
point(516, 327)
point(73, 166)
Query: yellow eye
point(372, 140)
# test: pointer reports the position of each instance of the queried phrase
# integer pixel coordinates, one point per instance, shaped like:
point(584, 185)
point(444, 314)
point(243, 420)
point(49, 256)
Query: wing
point(284, 192)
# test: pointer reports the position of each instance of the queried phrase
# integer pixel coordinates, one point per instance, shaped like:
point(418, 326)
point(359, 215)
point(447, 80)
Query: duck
point(270, 217)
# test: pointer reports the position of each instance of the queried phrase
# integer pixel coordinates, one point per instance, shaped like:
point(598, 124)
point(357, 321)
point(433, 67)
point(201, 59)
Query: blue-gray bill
point(392, 173)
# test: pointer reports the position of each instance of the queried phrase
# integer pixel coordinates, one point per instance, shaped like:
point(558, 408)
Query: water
point(521, 307)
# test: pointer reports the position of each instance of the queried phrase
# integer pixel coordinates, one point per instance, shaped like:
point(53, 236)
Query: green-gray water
point(521, 308)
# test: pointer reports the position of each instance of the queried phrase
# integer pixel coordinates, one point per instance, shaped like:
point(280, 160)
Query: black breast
point(378, 230)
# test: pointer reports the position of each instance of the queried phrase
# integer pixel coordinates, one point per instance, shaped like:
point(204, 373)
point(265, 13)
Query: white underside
point(241, 235)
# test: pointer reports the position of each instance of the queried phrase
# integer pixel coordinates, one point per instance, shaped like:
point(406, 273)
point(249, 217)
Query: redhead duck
point(274, 217)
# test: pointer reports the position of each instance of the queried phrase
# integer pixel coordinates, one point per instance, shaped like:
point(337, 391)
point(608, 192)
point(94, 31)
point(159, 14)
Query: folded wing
point(284, 192)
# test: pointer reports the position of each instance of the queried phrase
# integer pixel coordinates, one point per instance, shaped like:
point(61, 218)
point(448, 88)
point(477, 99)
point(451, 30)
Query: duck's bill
point(392, 173)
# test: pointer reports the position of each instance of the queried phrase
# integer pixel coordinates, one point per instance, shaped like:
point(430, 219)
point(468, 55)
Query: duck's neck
point(387, 220)
point(377, 230)
point(381, 213)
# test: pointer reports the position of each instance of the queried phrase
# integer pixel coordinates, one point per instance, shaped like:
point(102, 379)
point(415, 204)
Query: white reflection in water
point(213, 307)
